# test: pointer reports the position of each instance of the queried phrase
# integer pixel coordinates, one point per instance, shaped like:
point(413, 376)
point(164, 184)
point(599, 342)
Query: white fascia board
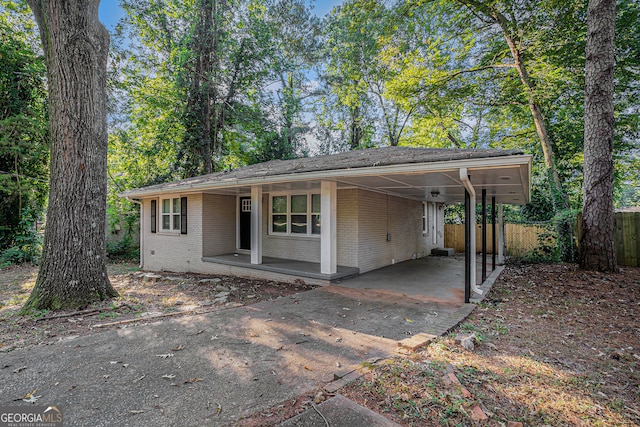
point(334, 174)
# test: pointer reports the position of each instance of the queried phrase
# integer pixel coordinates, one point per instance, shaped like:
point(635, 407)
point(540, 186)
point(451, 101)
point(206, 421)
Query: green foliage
point(26, 244)
point(23, 132)
point(123, 249)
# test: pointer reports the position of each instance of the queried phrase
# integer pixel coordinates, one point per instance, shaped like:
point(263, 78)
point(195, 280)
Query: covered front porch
point(301, 269)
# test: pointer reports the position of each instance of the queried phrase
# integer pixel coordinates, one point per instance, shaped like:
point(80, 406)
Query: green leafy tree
point(24, 143)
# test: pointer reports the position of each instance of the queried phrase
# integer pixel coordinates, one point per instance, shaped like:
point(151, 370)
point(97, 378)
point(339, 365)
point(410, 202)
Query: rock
point(514, 424)
point(221, 295)
point(221, 288)
point(467, 341)
point(477, 414)
point(221, 300)
point(173, 278)
point(213, 280)
point(151, 277)
point(179, 302)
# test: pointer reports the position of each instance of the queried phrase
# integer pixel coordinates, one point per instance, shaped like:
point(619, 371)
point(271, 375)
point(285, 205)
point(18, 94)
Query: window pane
point(166, 205)
point(315, 203)
point(299, 224)
point(176, 222)
point(315, 224)
point(279, 204)
point(176, 205)
point(166, 222)
point(279, 223)
point(299, 203)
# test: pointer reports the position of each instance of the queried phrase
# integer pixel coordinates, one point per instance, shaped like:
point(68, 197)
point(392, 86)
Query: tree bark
point(73, 269)
point(597, 248)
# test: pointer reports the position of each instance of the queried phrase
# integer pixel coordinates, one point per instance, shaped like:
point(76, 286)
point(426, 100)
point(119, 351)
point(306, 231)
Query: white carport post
point(471, 218)
point(500, 235)
point(256, 224)
point(328, 233)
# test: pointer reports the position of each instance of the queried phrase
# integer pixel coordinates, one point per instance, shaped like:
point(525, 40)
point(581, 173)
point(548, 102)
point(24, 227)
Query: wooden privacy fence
point(520, 238)
point(627, 238)
point(523, 238)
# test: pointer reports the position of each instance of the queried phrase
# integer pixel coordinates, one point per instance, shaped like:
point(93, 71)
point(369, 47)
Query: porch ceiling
point(509, 184)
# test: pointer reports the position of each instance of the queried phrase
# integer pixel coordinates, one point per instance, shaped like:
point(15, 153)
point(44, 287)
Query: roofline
point(451, 165)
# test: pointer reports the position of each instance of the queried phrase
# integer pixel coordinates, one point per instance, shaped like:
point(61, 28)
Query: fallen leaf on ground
point(32, 398)
point(178, 348)
point(193, 380)
point(307, 368)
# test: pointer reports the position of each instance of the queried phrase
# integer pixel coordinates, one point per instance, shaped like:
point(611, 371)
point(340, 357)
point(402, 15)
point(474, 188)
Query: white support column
point(501, 244)
point(328, 233)
point(256, 224)
point(464, 178)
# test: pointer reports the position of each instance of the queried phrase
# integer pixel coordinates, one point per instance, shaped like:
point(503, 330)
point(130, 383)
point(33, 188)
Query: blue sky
point(110, 11)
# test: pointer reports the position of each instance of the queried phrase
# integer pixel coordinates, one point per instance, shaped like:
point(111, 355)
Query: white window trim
point(309, 214)
point(172, 229)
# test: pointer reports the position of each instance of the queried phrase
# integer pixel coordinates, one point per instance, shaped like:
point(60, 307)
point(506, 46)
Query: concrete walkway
point(216, 368)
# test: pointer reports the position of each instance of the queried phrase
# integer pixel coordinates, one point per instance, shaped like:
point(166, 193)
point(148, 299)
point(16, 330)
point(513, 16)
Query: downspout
point(464, 177)
point(434, 224)
point(138, 202)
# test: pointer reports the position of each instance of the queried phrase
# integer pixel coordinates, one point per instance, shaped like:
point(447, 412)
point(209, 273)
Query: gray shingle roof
point(370, 157)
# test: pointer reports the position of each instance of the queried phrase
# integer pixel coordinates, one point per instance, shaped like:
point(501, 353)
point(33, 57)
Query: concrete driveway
point(213, 369)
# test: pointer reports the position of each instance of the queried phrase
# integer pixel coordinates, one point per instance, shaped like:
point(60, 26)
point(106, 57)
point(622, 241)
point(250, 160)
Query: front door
point(245, 223)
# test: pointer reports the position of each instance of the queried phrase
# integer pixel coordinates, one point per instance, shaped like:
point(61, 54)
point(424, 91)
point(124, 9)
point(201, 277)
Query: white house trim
point(256, 224)
point(328, 230)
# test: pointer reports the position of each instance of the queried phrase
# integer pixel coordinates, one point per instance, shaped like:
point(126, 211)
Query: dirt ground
point(555, 346)
point(142, 299)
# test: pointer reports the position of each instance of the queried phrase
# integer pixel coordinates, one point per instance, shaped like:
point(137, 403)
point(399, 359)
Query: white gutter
point(138, 202)
point(464, 178)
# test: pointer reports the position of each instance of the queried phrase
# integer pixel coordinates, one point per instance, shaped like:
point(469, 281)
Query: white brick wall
point(347, 228)
point(174, 251)
point(364, 220)
point(380, 215)
point(218, 224)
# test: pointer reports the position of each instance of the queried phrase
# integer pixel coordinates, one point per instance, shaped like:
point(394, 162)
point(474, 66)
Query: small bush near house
point(122, 250)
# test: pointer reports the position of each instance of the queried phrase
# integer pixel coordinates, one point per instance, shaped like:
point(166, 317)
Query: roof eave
point(471, 164)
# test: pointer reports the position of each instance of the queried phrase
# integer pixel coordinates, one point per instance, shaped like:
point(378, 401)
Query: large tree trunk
point(73, 270)
point(597, 248)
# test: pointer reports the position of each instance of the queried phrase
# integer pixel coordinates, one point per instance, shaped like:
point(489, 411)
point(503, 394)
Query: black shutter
point(183, 215)
point(154, 215)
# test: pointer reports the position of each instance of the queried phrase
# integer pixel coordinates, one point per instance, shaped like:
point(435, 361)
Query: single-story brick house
point(319, 218)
